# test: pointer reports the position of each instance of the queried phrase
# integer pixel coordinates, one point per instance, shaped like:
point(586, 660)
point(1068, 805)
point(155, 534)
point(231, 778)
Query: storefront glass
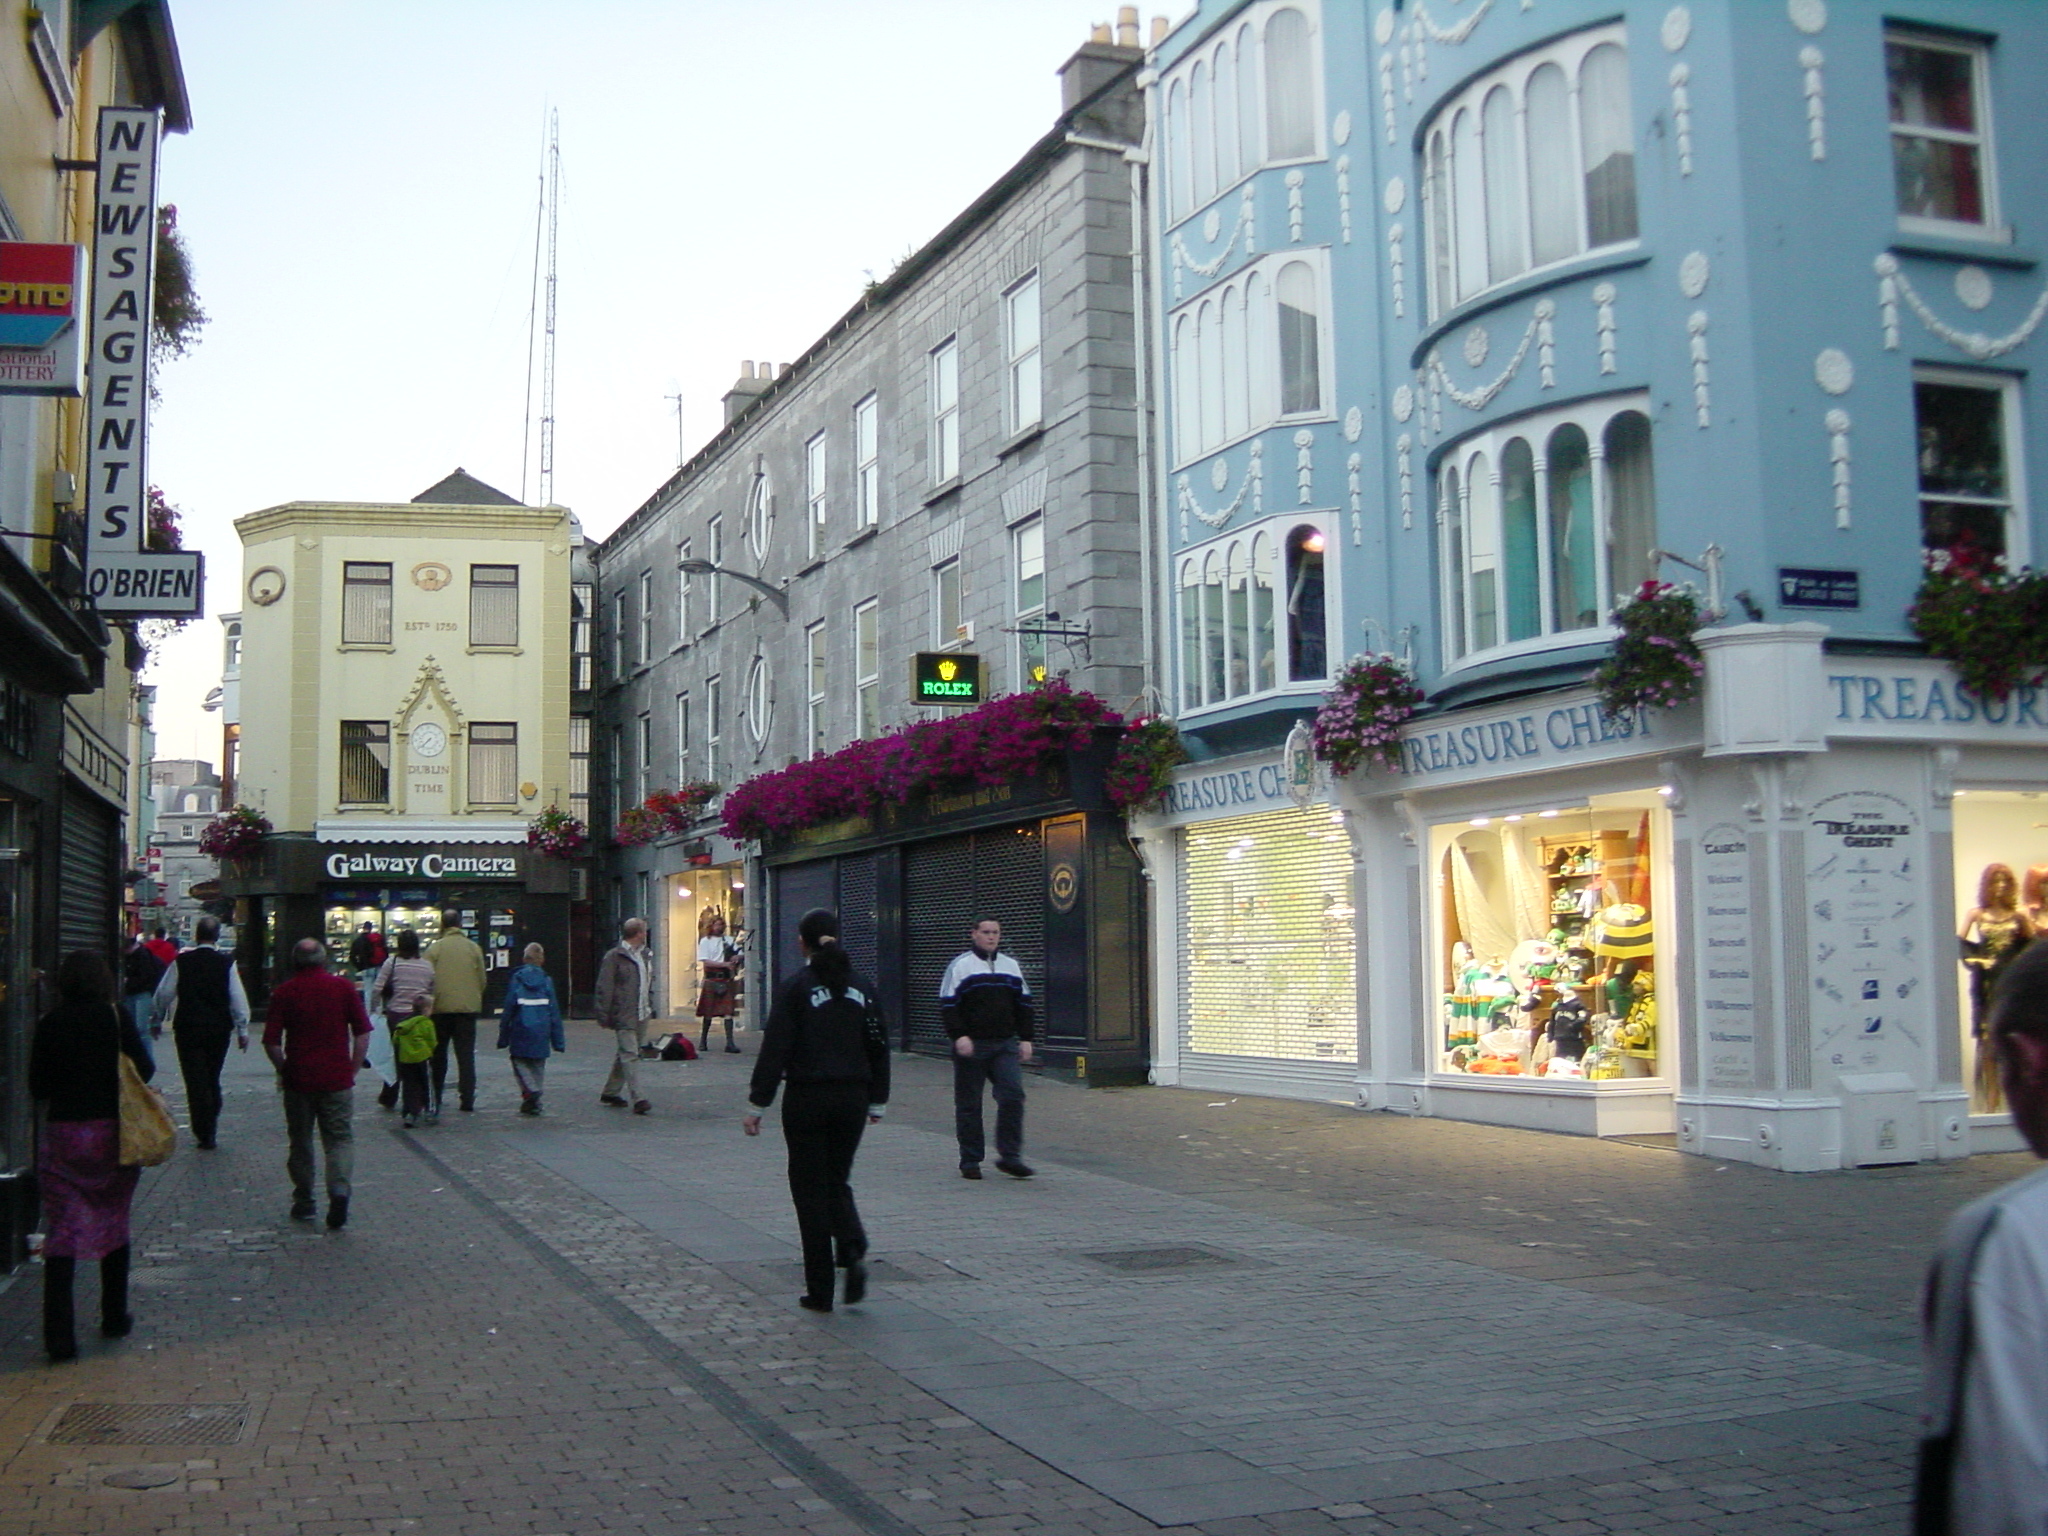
point(2001, 896)
point(1270, 965)
point(1546, 961)
point(692, 896)
point(390, 912)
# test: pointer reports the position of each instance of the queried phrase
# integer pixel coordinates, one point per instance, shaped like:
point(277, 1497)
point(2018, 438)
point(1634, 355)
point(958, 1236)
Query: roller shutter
point(88, 900)
point(857, 931)
point(947, 884)
point(1268, 947)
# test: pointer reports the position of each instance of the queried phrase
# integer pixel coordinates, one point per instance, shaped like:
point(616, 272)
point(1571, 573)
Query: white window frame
point(1223, 357)
point(1484, 450)
point(645, 756)
point(1445, 195)
point(683, 743)
point(482, 633)
point(644, 649)
point(1026, 536)
point(579, 767)
point(495, 749)
point(1024, 359)
point(942, 393)
point(814, 689)
point(367, 620)
point(948, 590)
point(815, 498)
point(714, 728)
point(714, 595)
point(867, 667)
point(1242, 550)
point(760, 518)
point(760, 701)
point(867, 466)
point(619, 601)
point(1236, 55)
point(1992, 225)
point(684, 585)
point(2012, 423)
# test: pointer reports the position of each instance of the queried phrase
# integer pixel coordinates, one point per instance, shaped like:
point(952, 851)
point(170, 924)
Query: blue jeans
point(997, 1063)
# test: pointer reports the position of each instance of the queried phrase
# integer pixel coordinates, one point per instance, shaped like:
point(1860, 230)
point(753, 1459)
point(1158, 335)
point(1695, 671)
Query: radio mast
point(544, 313)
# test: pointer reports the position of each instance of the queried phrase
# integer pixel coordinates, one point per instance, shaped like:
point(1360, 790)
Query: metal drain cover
point(1153, 1261)
point(150, 1424)
point(143, 1477)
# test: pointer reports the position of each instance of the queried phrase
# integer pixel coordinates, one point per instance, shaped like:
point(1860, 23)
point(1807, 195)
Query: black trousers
point(822, 1123)
point(202, 1052)
point(60, 1335)
point(460, 1029)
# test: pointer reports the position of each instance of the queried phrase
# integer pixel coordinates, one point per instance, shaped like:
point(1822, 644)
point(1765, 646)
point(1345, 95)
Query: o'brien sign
point(423, 866)
point(122, 578)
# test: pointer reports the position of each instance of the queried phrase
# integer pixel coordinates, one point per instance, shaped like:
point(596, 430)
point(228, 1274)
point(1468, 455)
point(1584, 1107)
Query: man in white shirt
point(1984, 1461)
point(200, 999)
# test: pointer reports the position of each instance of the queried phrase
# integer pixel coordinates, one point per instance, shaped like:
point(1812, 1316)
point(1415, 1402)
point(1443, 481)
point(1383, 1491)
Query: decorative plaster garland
point(1681, 114)
point(1540, 330)
point(1241, 228)
point(1352, 467)
point(1344, 198)
point(1403, 446)
point(1893, 285)
point(1305, 465)
point(1294, 181)
point(1696, 327)
point(1603, 323)
point(1253, 486)
point(1398, 269)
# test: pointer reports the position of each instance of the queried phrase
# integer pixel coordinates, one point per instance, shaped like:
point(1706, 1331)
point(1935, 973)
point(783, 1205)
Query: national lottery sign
point(122, 577)
point(42, 291)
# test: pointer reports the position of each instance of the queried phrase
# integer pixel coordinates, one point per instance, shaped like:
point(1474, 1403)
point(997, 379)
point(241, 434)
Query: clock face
point(428, 740)
point(266, 586)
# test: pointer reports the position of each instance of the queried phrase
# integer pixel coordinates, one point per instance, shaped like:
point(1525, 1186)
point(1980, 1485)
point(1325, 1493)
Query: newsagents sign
point(123, 577)
point(432, 864)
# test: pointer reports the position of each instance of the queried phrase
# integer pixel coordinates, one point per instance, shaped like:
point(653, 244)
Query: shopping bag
point(147, 1135)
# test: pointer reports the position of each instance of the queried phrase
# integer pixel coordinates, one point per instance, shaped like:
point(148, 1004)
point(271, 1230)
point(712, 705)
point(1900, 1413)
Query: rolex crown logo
point(948, 670)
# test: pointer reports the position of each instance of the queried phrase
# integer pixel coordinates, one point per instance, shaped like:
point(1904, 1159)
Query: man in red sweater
point(317, 1036)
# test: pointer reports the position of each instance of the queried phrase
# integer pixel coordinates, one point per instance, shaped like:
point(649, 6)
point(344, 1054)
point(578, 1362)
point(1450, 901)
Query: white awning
point(420, 829)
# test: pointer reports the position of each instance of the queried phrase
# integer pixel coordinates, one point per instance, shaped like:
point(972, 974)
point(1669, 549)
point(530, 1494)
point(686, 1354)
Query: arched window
point(1529, 164)
point(1263, 659)
point(1237, 379)
point(1607, 146)
point(1290, 87)
point(1301, 366)
point(1228, 164)
point(1209, 344)
point(1214, 673)
point(1574, 571)
point(1190, 637)
point(1178, 196)
point(1505, 238)
point(1631, 502)
point(760, 701)
point(1521, 580)
point(1553, 194)
point(1187, 419)
point(1201, 136)
point(1237, 638)
point(1247, 101)
point(1307, 642)
point(1542, 548)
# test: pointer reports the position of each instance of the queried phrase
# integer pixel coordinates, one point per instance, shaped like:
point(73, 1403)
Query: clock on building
point(428, 740)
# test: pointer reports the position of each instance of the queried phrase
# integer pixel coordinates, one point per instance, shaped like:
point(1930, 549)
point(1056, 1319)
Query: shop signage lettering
point(41, 340)
point(1261, 786)
point(1569, 730)
point(1924, 699)
point(423, 866)
point(1866, 922)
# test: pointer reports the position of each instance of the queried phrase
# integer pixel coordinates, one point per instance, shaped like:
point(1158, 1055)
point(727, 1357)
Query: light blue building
point(1472, 315)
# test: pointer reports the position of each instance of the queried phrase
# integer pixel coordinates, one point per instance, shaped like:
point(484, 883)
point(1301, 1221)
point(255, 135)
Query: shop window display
point(1549, 946)
point(2001, 905)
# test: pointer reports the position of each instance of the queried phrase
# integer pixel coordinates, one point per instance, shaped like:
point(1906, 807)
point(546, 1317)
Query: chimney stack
point(1097, 62)
point(1160, 27)
point(1127, 26)
point(749, 387)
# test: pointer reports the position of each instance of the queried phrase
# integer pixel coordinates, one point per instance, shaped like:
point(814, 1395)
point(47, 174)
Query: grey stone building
point(955, 466)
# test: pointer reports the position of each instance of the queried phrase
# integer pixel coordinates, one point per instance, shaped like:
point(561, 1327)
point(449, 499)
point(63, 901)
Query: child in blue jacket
point(532, 1023)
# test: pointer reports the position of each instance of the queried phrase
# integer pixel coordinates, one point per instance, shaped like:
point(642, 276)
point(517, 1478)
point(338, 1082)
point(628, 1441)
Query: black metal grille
point(1152, 1261)
point(857, 925)
point(947, 884)
point(88, 901)
point(151, 1424)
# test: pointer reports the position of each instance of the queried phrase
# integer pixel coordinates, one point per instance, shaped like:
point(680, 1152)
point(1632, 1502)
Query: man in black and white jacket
point(986, 1007)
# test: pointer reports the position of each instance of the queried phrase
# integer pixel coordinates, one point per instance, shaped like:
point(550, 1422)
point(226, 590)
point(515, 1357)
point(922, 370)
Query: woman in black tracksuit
point(825, 1038)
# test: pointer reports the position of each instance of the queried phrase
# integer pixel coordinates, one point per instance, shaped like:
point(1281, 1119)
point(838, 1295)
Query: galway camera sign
point(946, 677)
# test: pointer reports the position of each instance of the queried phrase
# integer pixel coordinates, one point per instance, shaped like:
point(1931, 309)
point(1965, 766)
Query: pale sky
point(359, 194)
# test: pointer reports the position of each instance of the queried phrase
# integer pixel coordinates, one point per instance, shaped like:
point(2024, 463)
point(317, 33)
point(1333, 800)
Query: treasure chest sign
point(42, 288)
point(1867, 934)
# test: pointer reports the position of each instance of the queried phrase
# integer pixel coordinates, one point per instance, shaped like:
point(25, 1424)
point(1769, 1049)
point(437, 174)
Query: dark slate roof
point(462, 489)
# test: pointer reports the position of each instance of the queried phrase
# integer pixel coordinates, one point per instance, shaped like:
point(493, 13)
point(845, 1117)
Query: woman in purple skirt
point(75, 1072)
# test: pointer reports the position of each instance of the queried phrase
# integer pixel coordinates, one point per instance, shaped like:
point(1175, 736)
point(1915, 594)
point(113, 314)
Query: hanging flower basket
point(1002, 740)
point(1982, 619)
point(1359, 724)
point(557, 834)
point(1146, 755)
point(665, 813)
point(235, 833)
point(1656, 663)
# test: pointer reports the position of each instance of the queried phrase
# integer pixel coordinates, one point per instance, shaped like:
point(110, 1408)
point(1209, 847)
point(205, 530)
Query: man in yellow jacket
point(458, 998)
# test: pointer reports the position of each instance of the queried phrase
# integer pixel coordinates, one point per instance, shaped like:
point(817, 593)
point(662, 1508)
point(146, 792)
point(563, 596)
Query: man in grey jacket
point(625, 986)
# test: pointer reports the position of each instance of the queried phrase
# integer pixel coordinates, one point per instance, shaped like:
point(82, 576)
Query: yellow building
point(404, 714)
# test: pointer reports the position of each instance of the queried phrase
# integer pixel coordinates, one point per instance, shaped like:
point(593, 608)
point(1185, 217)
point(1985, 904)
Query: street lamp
point(774, 595)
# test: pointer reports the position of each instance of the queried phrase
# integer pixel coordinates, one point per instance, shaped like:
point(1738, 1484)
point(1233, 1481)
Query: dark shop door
point(948, 884)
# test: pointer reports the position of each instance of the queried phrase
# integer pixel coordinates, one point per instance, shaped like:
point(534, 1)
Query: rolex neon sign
point(945, 677)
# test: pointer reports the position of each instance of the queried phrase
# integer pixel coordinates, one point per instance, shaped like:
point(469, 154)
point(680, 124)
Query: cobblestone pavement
point(1225, 1314)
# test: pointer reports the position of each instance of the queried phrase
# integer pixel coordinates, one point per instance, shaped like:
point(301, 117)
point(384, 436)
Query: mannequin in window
point(2001, 930)
point(1307, 656)
point(2034, 895)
